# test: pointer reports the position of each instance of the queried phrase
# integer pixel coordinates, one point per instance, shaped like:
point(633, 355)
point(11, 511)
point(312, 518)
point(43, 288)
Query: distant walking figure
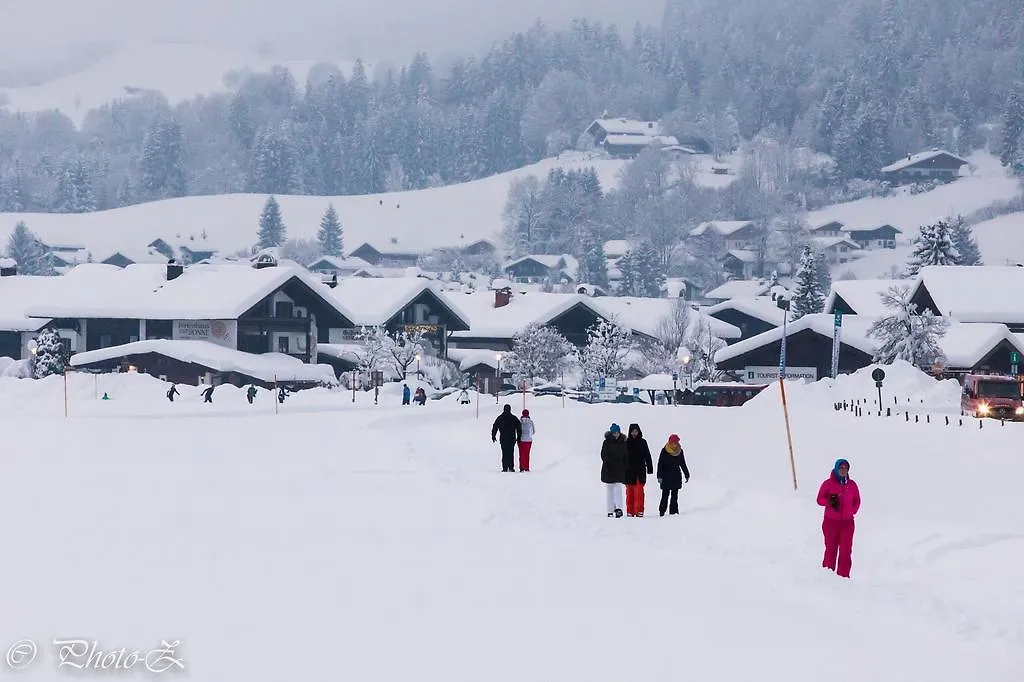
point(840, 497)
point(406, 394)
point(251, 393)
point(511, 430)
point(171, 392)
point(525, 441)
point(208, 394)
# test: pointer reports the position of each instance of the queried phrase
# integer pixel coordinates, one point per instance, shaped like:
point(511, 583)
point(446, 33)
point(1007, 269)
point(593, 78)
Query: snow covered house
point(495, 317)
point(402, 303)
point(751, 316)
point(738, 288)
point(644, 315)
point(262, 309)
point(977, 347)
point(17, 294)
point(808, 350)
point(873, 236)
point(736, 234)
point(187, 251)
point(195, 362)
point(972, 294)
point(935, 164)
point(624, 138)
point(860, 296)
point(832, 228)
point(740, 264)
point(543, 268)
point(385, 255)
point(342, 267)
point(122, 258)
point(837, 250)
point(8, 267)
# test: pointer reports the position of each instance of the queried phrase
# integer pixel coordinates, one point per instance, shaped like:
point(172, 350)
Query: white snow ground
point(339, 540)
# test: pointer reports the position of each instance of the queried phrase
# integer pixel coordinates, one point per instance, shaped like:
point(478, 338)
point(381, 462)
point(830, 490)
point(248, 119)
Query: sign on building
point(221, 332)
point(760, 375)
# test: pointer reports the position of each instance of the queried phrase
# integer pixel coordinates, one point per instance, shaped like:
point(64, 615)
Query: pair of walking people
point(626, 462)
point(513, 432)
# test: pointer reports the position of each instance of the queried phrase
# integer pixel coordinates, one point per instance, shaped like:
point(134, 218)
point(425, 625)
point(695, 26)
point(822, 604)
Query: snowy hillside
point(1001, 239)
point(419, 220)
point(180, 71)
point(989, 184)
point(384, 544)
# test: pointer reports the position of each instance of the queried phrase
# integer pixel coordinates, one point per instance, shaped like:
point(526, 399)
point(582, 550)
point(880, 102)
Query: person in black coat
point(511, 430)
point(613, 468)
point(671, 472)
point(638, 465)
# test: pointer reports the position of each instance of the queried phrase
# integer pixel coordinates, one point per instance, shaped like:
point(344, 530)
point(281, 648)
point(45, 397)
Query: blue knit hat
point(614, 428)
point(839, 463)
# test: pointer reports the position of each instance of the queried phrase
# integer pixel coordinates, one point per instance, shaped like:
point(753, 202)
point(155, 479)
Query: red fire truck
point(992, 395)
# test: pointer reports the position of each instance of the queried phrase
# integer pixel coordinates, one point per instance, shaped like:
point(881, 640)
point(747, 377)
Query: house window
point(282, 344)
point(283, 309)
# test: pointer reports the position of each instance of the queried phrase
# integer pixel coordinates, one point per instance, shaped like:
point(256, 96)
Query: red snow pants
point(838, 545)
point(524, 454)
point(634, 499)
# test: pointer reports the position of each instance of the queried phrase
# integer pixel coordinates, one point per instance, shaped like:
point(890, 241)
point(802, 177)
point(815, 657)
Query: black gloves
point(833, 501)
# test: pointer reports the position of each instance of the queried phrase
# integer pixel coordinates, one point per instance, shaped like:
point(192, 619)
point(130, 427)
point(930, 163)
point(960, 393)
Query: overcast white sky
point(304, 29)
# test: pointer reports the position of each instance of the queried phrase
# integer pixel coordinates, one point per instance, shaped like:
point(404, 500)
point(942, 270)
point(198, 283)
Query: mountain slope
point(179, 70)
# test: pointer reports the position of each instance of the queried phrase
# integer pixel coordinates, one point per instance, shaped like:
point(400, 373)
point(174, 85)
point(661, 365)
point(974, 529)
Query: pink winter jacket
point(849, 498)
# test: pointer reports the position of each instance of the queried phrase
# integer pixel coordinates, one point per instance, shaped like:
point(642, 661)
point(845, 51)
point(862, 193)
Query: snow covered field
point(449, 216)
point(383, 543)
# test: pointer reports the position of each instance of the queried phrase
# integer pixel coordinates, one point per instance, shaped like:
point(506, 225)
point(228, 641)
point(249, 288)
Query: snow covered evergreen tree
point(606, 352)
point(1010, 152)
point(963, 241)
point(906, 334)
point(162, 164)
point(934, 246)
point(49, 354)
point(330, 234)
point(30, 254)
point(274, 167)
point(538, 352)
point(809, 297)
point(272, 230)
point(649, 275)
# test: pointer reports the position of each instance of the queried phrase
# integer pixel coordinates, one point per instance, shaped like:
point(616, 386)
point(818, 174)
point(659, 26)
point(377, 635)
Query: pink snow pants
point(838, 545)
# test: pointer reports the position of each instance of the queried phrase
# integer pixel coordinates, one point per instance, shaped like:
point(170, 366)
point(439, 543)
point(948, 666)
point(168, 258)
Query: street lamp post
point(417, 365)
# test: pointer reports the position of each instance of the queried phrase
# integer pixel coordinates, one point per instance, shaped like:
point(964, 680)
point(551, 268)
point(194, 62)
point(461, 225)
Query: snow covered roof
point(758, 307)
point(201, 292)
point(471, 357)
point(738, 288)
point(722, 227)
point(18, 293)
point(966, 344)
point(8, 262)
point(627, 126)
point(265, 367)
point(524, 309)
point(831, 225)
point(854, 334)
point(975, 294)
point(829, 242)
point(375, 301)
point(743, 255)
point(645, 314)
point(616, 248)
point(869, 228)
point(920, 157)
point(144, 254)
point(352, 263)
point(565, 262)
point(630, 140)
point(863, 295)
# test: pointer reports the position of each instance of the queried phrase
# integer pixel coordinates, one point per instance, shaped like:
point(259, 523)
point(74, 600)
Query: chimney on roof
point(174, 269)
point(502, 297)
point(265, 260)
point(650, 125)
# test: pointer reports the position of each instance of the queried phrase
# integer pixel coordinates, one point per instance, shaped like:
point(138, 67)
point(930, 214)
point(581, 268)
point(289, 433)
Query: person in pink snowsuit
point(840, 497)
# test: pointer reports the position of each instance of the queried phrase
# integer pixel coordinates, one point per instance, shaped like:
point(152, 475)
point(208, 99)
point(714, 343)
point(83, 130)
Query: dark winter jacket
point(638, 457)
point(613, 458)
point(672, 470)
point(508, 425)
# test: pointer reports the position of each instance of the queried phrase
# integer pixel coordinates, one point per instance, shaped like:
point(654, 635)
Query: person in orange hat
point(671, 473)
point(525, 441)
